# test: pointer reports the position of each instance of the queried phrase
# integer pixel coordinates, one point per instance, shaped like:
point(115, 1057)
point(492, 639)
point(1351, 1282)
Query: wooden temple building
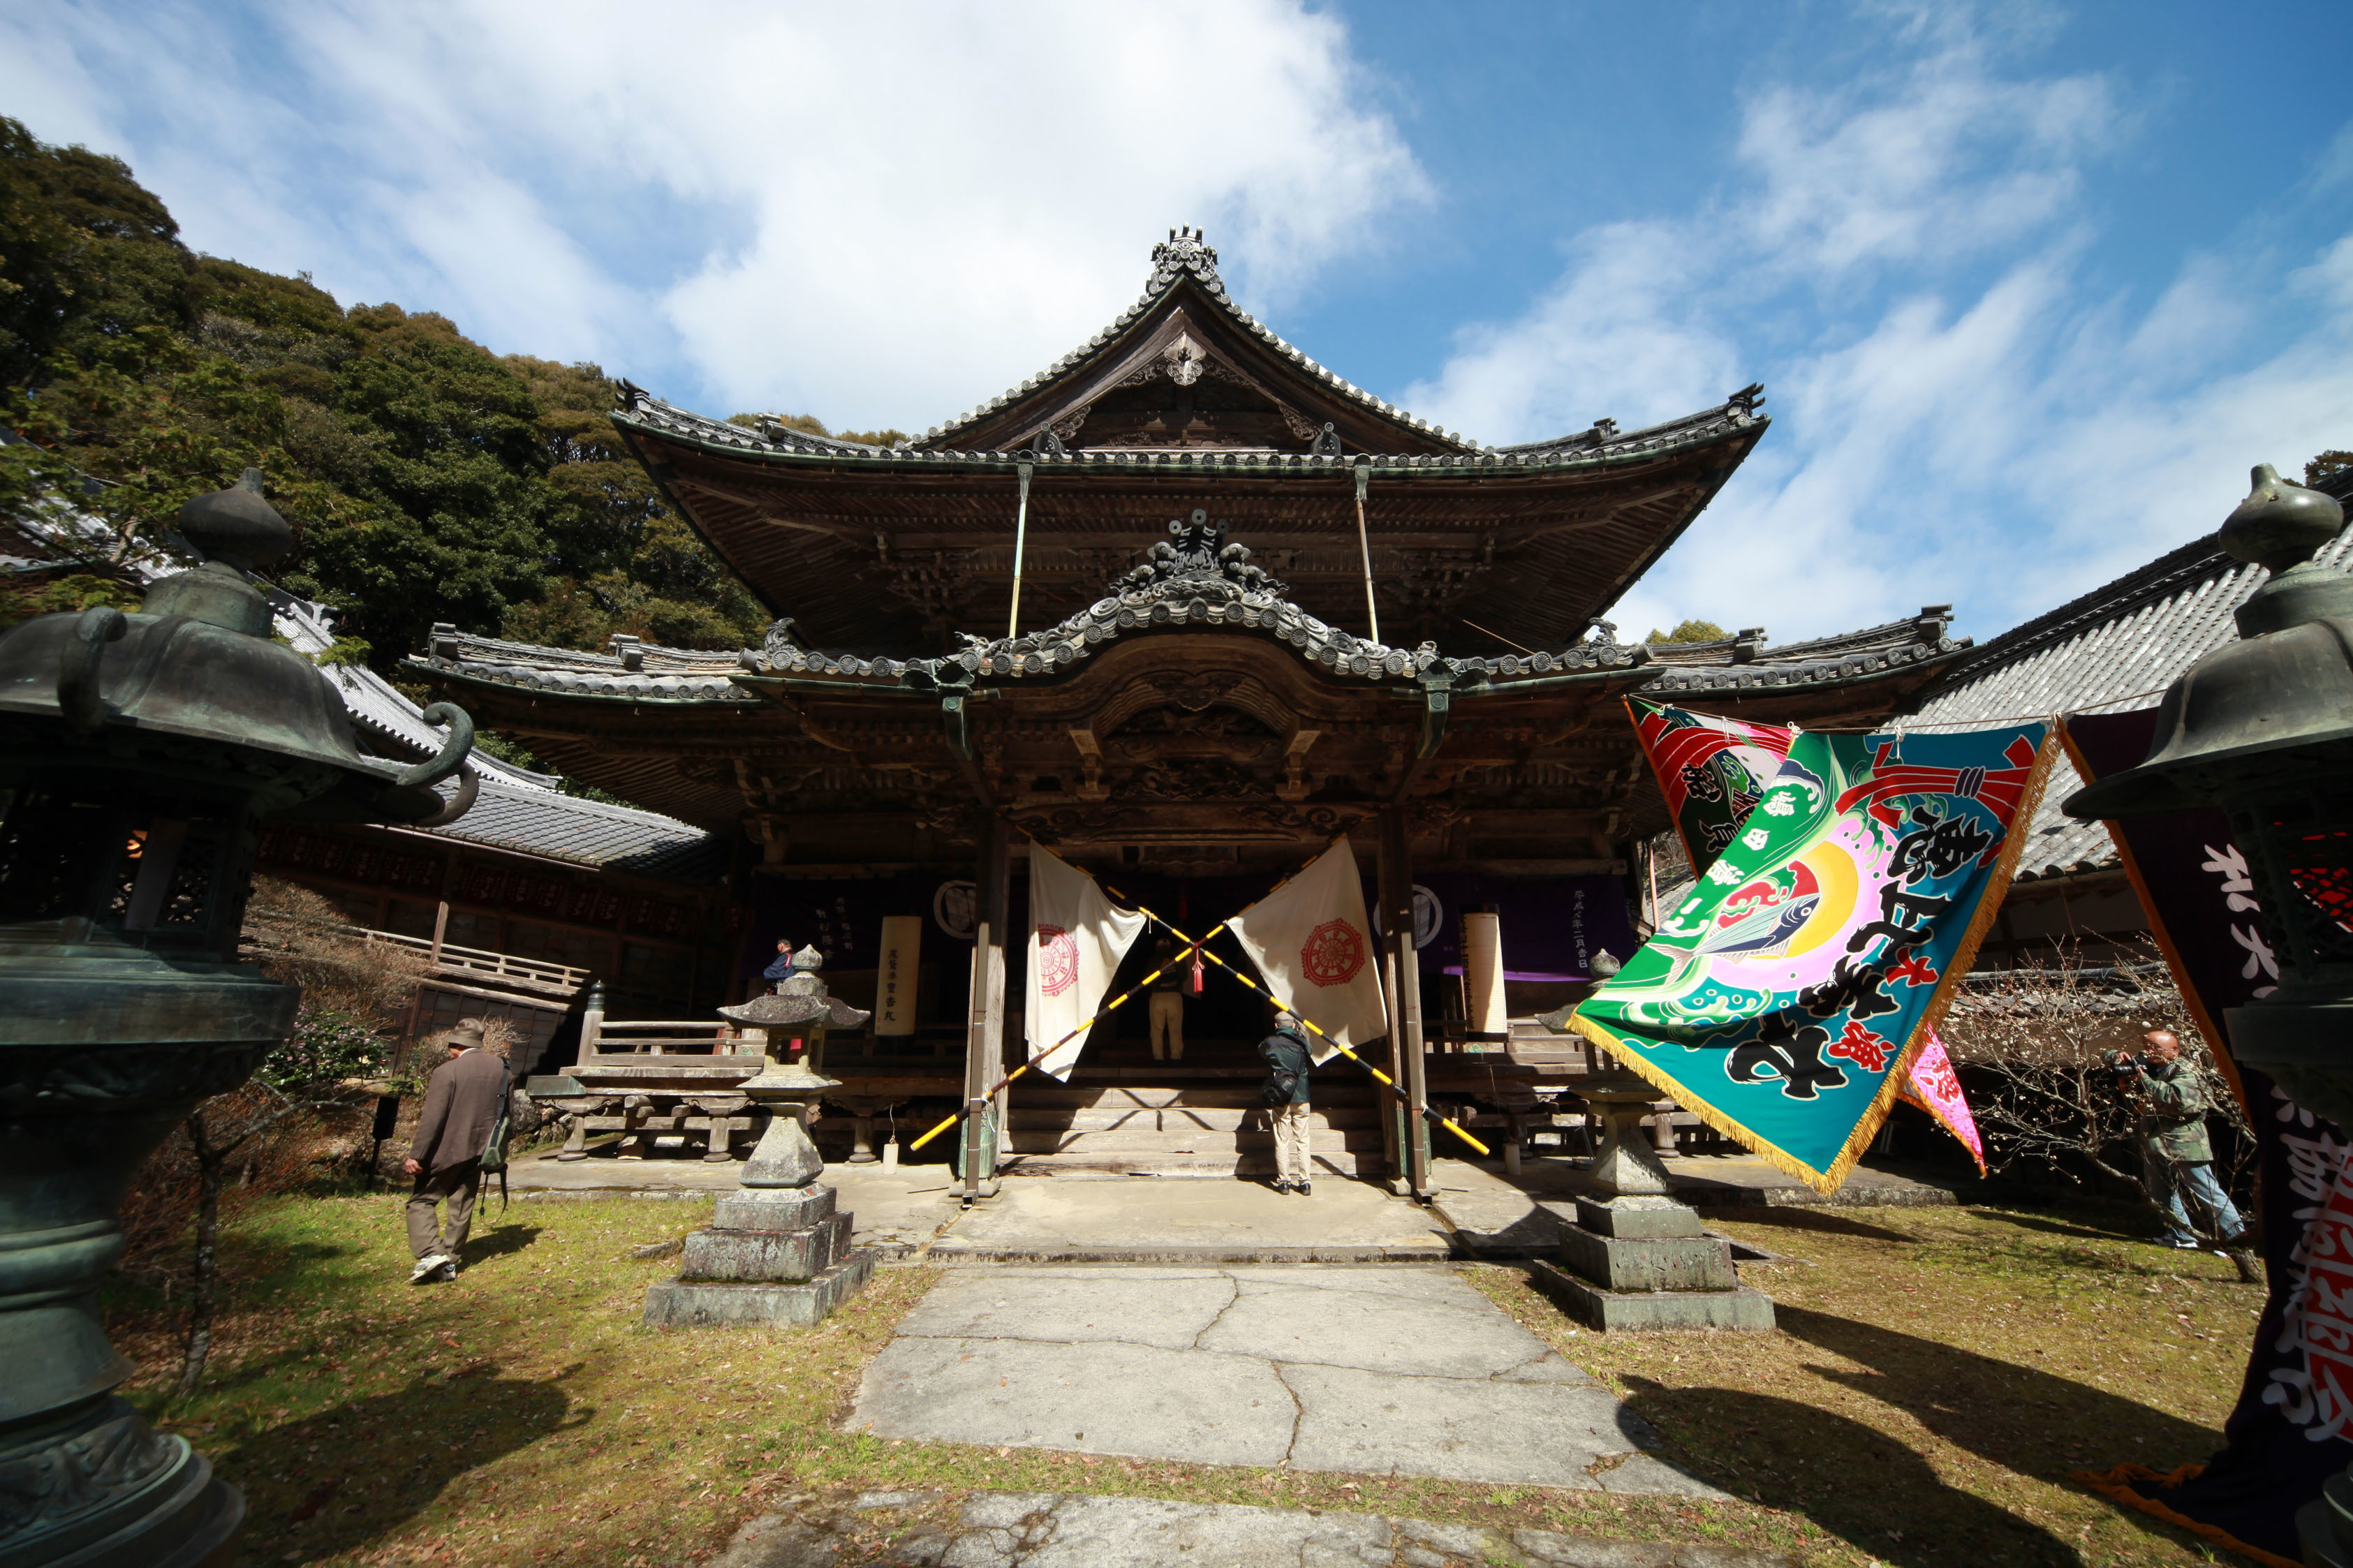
point(1186, 608)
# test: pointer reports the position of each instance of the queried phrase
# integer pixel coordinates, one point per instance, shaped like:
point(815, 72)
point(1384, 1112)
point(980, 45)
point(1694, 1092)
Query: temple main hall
point(1185, 607)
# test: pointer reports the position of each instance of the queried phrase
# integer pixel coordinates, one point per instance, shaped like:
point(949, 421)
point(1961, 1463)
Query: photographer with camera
point(2175, 1156)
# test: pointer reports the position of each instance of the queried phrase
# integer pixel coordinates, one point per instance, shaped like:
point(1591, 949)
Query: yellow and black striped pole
point(1106, 1011)
point(1387, 1082)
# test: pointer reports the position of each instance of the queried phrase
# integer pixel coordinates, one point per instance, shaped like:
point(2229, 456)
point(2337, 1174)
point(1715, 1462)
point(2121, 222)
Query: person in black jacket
point(1286, 1052)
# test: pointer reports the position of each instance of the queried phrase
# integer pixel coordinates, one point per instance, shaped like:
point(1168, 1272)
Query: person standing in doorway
point(1167, 1020)
point(1288, 1059)
point(463, 1100)
point(2177, 1156)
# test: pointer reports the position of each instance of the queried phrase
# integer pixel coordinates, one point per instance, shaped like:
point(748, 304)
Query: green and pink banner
point(1788, 998)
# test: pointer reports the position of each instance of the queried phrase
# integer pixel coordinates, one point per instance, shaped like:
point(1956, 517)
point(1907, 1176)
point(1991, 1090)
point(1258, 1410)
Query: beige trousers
point(1168, 1025)
point(1290, 1142)
point(456, 1186)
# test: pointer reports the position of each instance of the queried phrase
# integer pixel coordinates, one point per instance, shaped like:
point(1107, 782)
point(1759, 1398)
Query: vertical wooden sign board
point(894, 977)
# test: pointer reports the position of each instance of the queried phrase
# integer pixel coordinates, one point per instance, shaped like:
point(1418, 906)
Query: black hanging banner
point(2292, 1427)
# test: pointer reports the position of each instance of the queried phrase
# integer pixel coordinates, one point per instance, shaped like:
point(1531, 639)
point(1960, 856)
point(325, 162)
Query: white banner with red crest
point(1315, 950)
point(1076, 942)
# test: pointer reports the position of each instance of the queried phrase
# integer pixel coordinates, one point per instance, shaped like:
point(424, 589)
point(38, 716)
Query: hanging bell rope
point(1365, 545)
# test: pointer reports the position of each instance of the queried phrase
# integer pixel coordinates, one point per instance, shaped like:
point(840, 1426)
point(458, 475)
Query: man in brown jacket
point(463, 1101)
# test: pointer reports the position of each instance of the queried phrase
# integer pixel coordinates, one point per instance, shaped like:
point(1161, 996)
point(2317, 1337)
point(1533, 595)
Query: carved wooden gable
point(1187, 371)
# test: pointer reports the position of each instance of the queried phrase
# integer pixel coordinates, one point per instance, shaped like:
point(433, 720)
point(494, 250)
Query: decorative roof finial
point(1185, 249)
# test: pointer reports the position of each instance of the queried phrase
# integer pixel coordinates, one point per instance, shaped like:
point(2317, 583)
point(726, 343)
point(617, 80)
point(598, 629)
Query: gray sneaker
point(430, 1266)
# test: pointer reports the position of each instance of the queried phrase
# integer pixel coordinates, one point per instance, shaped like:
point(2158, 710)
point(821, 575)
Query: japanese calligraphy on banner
point(1705, 762)
point(1785, 999)
point(2292, 1427)
point(1709, 769)
point(1934, 1087)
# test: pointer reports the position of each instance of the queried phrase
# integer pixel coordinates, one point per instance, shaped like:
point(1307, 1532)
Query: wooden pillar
point(1397, 916)
point(985, 1036)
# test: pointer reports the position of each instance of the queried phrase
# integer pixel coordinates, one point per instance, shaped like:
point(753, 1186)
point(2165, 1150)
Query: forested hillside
point(427, 478)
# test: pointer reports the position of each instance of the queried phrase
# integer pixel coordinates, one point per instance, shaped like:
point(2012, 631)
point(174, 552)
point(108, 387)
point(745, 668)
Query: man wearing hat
point(463, 1101)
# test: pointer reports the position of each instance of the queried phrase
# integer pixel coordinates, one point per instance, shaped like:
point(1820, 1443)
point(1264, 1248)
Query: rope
point(1057, 1045)
point(1388, 1082)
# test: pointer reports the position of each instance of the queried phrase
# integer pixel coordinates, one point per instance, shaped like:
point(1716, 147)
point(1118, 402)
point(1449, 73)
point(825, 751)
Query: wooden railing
point(453, 958)
point(657, 1036)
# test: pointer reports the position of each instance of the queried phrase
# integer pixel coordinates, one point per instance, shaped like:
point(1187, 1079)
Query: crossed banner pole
point(1387, 1082)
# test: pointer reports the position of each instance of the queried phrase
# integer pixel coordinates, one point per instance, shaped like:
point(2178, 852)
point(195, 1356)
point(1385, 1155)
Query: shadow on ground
point(1851, 1479)
point(343, 1479)
point(2119, 1231)
point(501, 1240)
point(1813, 1219)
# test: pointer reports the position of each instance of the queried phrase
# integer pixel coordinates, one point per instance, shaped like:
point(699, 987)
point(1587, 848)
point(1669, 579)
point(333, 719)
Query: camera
point(2126, 1068)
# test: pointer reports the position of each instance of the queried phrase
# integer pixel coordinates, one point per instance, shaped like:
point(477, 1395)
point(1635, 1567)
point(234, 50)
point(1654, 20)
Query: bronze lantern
point(138, 755)
point(2263, 729)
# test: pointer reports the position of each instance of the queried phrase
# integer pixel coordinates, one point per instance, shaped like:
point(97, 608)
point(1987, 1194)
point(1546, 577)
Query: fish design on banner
point(1787, 998)
point(1708, 766)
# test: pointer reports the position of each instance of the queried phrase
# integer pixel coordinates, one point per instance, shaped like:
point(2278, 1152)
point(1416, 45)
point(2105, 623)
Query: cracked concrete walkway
point(1018, 1529)
point(1399, 1369)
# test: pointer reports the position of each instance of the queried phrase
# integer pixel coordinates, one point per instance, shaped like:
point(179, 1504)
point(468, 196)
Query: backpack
point(494, 1148)
point(1280, 1086)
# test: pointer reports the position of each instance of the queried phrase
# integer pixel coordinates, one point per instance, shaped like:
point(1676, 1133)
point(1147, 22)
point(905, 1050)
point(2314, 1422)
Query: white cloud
point(882, 214)
point(1960, 416)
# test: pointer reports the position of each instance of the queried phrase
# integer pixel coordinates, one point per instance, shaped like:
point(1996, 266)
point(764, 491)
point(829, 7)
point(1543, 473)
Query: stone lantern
point(2262, 728)
point(777, 1250)
point(138, 755)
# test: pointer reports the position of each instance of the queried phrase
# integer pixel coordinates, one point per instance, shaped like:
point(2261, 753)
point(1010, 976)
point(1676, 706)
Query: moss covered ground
point(1935, 1374)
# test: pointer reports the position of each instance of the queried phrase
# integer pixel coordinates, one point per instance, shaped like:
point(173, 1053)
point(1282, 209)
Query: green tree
point(1690, 631)
point(427, 478)
point(2326, 465)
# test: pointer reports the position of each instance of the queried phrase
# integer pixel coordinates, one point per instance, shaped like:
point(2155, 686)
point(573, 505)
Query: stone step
point(1323, 1159)
point(1027, 1095)
point(1145, 1147)
point(1181, 1119)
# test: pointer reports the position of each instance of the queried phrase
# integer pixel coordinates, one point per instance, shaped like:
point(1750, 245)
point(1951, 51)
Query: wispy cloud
point(880, 212)
point(1961, 414)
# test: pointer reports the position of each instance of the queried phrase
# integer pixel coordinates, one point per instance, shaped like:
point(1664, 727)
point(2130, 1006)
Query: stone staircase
point(1212, 1126)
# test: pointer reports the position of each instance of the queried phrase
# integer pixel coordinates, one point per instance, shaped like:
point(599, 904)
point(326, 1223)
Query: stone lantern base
point(776, 1251)
point(779, 1256)
point(1636, 1259)
point(1642, 1263)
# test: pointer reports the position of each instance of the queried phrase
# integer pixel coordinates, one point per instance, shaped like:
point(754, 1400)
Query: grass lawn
point(1936, 1370)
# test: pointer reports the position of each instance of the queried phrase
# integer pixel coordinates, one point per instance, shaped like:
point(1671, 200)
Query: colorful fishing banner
point(1706, 765)
point(1785, 999)
point(1709, 769)
point(1314, 947)
point(2292, 1427)
point(1934, 1087)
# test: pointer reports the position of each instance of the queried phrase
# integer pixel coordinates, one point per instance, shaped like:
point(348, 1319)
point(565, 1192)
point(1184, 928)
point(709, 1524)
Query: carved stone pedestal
point(1636, 1260)
point(776, 1252)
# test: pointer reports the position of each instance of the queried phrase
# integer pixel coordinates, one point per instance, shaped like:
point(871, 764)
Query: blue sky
point(2029, 287)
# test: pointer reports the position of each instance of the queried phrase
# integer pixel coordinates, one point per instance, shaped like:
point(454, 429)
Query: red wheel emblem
point(1333, 954)
point(1058, 959)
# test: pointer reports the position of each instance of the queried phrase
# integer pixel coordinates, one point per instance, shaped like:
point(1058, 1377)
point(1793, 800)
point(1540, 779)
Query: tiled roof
point(1586, 448)
point(2117, 648)
point(1202, 583)
point(1184, 254)
point(1184, 257)
point(589, 832)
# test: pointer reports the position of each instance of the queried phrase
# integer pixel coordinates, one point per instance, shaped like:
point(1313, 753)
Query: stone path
point(1401, 1370)
point(1019, 1530)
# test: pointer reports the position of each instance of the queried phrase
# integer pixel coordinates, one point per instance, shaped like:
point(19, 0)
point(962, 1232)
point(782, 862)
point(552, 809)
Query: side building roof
point(2117, 646)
